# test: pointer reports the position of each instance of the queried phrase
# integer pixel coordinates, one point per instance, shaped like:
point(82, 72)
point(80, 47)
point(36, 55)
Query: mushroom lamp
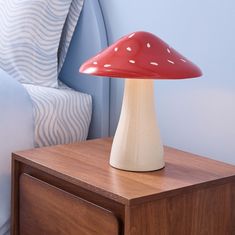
point(139, 57)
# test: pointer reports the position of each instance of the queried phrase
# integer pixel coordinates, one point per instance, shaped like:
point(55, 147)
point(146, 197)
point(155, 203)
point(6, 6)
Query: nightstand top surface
point(86, 164)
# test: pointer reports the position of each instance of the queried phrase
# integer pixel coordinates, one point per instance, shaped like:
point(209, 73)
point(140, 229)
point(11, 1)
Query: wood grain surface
point(45, 209)
point(86, 165)
point(73, 188)
point(200, 212)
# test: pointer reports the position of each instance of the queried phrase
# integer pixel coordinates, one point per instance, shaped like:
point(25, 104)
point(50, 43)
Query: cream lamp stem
point(137, 145)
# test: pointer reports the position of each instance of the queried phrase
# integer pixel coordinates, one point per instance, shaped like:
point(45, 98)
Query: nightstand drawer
point(45, 209)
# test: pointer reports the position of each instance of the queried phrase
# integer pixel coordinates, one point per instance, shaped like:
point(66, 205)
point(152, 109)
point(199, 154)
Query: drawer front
point(47, 210)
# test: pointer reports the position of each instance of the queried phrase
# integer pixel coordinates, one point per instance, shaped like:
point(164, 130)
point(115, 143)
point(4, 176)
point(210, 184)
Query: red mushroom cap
point(141, 55)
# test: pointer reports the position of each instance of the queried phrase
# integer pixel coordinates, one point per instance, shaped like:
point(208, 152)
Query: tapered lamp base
point(137, 145)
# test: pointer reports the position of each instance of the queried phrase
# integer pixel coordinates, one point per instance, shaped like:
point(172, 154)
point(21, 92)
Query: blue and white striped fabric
point(68, 30)
point(61, 115)
point(30, 32)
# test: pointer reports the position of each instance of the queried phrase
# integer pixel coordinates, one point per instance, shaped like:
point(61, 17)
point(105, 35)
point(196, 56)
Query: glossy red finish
point(141, 55)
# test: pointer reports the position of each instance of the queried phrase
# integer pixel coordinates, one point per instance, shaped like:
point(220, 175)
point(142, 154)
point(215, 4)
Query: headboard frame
point(89, 38)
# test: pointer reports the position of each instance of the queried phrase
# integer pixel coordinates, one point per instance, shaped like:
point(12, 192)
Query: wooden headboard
point(89, 38)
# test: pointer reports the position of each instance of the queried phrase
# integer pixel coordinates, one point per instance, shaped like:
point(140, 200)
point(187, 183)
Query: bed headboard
point(88, 39)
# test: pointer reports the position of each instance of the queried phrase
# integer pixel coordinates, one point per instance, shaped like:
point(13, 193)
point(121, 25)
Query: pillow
point(69, 27)
point(30, 32)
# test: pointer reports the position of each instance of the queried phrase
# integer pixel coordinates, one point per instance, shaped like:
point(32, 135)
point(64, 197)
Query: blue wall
point(196, 115)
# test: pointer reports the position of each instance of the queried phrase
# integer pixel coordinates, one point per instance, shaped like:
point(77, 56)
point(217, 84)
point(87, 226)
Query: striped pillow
point(30, 32)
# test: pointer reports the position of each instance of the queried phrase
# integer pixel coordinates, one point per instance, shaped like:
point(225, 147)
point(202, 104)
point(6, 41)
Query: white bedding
point(61, 115)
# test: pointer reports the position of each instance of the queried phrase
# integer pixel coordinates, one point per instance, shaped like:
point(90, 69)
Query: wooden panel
point(45, 209)
point(74, 163)
point(204, 212)
point(233, 207)
point(15, 197)
point(90, 196)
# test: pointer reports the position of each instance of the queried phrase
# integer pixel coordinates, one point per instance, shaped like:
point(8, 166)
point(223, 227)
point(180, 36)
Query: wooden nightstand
point(71, 189)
